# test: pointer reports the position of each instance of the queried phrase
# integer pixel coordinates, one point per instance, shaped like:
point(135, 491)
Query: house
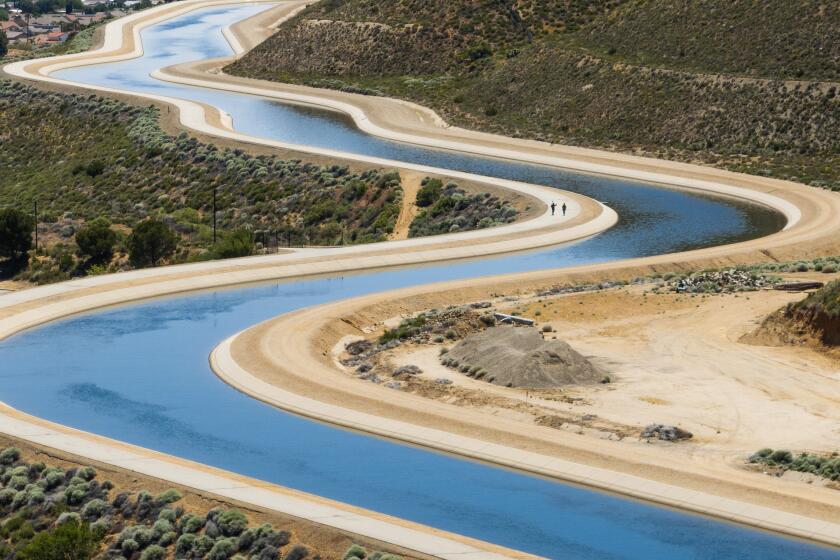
point(57, 37)
point(10, 27)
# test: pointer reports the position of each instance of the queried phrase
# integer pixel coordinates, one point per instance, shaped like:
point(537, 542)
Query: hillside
point(789, 39)
point(636, 76)
point(814, 322)
point(430, 36)
point(101, 170)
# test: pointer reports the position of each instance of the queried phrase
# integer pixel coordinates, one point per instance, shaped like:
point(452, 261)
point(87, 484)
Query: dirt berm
point(520, 357)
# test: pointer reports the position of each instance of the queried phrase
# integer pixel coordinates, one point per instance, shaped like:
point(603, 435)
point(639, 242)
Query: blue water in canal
point(139, 373)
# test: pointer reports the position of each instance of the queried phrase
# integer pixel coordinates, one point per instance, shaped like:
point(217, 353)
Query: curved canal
point(139, 373)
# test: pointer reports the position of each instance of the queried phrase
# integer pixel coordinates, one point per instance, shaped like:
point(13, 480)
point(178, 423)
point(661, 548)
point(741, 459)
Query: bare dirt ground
point(671, 358)
point(408, 211)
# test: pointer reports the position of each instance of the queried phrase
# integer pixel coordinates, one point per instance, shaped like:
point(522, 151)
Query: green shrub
point(237, 243)
point(430, 192)
point(191, 523)
point(129, 547)
point(153, 552)
point(781, 456)
point(86, 473)
point(160, 527)
point(222, 549)
point(168, 514)
point(96, 240)
point(52, 478)
point(184, 545)
point(95, 168)
point(6, 496)
point(355, 551)
point(94, 509)
point(298, 552)
point(68, 541)
point(150, 242)
point(16, 230)
point(232, 522)
point(18, 482)
point(202, 545)
point(9, 455)
point(68, 517)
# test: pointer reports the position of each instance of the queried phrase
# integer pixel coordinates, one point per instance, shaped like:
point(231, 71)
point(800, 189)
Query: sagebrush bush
point(232, 522)
point(9, 455)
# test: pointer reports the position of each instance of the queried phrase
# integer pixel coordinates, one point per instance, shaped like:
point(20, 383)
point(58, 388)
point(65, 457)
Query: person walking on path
point(564, 208)
point(553, 207)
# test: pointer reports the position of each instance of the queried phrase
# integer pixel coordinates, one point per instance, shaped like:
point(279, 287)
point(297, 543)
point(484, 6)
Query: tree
point(150, 242)
point(16, 229)
point(96, 240)
point(238, 243)
point(429, 192)
point(69, 541)
point(44, 6)
point(27, 7)
point(4, 43)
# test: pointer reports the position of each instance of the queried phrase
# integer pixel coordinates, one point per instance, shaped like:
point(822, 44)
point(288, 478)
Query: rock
point(665, 432)
point(720, 282)
point(443, 381)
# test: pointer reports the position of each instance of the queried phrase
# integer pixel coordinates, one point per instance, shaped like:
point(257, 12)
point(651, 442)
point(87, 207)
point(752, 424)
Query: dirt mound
point(814, 321)
point(519, 357)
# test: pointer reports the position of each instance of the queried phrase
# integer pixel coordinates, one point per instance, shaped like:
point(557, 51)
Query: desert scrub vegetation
point(122, 167)
point(53, 513)
point(780, 460)
point(827, 264)
point(789, 39)
point(429, 37)
point(448, 209)
point(636, 76)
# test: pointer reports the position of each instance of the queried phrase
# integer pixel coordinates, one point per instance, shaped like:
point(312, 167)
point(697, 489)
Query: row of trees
point(150, 243)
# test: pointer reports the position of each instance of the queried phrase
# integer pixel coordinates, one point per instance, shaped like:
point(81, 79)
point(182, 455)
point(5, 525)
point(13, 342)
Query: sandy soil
point(673, 359)
point(328, 542)
point(409, 209)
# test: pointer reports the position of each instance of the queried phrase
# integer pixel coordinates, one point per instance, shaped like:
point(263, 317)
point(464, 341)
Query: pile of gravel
point(519, 357)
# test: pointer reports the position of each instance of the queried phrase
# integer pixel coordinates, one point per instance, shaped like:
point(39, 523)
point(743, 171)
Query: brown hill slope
point(564, 71)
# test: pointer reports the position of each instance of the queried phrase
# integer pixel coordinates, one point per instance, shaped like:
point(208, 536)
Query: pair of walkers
point(554, 208)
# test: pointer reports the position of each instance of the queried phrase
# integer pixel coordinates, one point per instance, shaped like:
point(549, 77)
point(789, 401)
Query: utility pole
point(214, 215)
point(36, 226)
